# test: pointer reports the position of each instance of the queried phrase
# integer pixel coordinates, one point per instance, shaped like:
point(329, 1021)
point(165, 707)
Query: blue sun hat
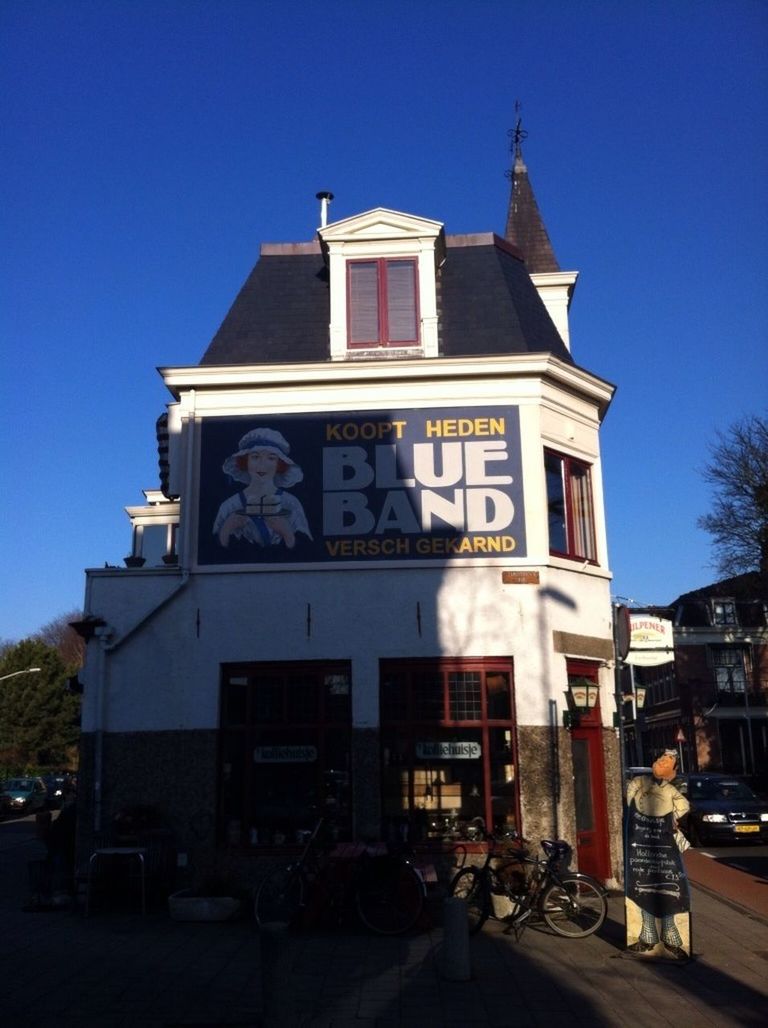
point(270, 441)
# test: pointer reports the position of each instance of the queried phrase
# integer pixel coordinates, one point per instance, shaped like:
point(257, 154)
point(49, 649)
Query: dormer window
point(383, 268)
point(724, 612)
point(382, 297)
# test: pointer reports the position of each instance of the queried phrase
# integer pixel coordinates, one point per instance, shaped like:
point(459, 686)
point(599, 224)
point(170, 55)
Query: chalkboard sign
point(658, 916)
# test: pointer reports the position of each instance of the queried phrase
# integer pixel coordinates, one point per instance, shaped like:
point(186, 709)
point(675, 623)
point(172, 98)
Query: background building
point(376, 561)
point(712, 702)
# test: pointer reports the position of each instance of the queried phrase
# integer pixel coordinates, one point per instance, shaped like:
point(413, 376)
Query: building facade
point(712, 701)
point(376, 561)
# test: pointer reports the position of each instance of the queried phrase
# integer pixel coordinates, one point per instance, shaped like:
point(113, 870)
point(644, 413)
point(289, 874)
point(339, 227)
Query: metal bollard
point(455, 962)
point(278, 1003)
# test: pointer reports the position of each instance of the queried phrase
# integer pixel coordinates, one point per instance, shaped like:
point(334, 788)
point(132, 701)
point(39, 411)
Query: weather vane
point(517, 135)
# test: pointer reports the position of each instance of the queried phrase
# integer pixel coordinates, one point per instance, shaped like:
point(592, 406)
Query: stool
point(139, 852)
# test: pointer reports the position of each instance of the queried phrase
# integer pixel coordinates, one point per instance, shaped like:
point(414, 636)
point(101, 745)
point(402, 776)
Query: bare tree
point(738, 521)
point(60, 634)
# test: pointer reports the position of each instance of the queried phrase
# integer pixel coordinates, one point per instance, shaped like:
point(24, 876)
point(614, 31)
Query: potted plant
point(214, 899)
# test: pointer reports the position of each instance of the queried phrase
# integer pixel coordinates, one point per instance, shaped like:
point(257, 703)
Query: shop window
point(382, 303)
point(284, 754)
point(448, 748)
point(570, 507)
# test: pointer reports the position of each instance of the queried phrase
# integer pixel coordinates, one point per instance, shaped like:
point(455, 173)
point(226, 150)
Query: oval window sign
point(448, 750)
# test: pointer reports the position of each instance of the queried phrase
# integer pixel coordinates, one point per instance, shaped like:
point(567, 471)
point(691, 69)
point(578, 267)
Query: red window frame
point(384, 298)
point(411, 715)
point(575, 523)
point(285, 704)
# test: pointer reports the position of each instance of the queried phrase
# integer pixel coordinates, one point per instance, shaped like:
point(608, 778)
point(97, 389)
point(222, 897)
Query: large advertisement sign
point(407, 485)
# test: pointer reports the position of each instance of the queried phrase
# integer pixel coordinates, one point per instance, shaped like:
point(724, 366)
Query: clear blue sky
point(148, 148)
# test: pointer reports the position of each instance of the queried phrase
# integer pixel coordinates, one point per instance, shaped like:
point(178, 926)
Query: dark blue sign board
point(428, 484)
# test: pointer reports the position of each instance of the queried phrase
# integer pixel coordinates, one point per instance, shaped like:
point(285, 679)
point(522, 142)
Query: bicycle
point(386, 889)
point(572, 904)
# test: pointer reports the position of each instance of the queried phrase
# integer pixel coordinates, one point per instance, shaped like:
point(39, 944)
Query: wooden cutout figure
point(657, 903)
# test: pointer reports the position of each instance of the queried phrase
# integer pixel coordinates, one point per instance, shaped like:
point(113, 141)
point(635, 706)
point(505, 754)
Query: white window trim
point(384, 234)
point(159, 511)
point(724, 601)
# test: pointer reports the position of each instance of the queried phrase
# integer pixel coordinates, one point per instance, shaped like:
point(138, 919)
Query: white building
point(377, 559)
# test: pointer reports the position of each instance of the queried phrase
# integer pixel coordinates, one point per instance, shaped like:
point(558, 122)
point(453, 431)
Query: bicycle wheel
point(471, 886)
point(574, 907)
point(279, 898)
point(389, 896)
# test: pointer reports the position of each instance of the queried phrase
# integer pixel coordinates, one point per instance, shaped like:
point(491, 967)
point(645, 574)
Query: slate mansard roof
point(487, 306)
point(748, 591)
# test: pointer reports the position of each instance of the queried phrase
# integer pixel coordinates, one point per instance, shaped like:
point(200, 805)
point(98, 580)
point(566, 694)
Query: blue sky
point(148, 148)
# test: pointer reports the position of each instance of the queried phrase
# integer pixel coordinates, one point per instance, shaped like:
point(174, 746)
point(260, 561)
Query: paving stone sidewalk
point(117, 969)
point(539, 980)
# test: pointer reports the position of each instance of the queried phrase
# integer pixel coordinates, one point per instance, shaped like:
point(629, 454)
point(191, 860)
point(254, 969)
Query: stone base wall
point(542, 816)
point(614, 789)
point(546, 798)
point(173, 773)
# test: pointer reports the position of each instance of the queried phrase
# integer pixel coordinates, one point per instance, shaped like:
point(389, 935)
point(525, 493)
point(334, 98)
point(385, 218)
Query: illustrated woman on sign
point(262, 512)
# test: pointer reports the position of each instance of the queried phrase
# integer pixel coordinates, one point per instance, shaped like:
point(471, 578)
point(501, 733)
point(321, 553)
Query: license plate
point(747, 828)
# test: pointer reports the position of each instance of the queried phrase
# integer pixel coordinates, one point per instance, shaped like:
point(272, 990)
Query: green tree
point(738, 521)
point(39, 719)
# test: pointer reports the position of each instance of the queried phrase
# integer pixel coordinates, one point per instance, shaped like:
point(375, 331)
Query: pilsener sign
point(394, 485)
point(651, 641)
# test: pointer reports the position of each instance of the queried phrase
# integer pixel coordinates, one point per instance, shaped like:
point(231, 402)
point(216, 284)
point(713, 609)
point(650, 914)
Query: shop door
point(589, 797)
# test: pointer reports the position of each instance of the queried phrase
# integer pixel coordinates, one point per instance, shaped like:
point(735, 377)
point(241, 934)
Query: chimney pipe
point(325, 199)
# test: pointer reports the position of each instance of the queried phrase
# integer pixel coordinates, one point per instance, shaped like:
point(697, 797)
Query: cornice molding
point(327, 374)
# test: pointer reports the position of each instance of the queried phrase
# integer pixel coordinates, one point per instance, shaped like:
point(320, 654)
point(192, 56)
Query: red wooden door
point(591, 807)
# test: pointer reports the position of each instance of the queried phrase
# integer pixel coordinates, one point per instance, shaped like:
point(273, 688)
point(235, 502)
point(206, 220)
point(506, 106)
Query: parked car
point(723, 808)
point(55, 783)
point(25, 795)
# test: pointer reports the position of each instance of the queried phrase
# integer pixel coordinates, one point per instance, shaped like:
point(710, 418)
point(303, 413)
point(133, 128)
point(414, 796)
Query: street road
point(751, 859)
point(17, 831)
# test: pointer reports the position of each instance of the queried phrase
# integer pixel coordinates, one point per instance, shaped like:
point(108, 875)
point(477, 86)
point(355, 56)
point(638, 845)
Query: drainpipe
point(747, 711)
point(106, 648)
point(554, 756)
point(103, 634)
point(185, 534)
point(106, 633)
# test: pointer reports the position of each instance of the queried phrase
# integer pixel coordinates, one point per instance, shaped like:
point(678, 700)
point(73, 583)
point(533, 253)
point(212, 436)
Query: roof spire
point(525, 226)
point(519, 134)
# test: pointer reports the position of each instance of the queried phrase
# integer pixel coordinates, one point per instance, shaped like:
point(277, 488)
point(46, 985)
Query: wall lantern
point(640, 691)
point(582, 697)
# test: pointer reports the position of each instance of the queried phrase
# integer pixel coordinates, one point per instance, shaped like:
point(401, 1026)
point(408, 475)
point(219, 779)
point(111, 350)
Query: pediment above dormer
point(383, 224)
